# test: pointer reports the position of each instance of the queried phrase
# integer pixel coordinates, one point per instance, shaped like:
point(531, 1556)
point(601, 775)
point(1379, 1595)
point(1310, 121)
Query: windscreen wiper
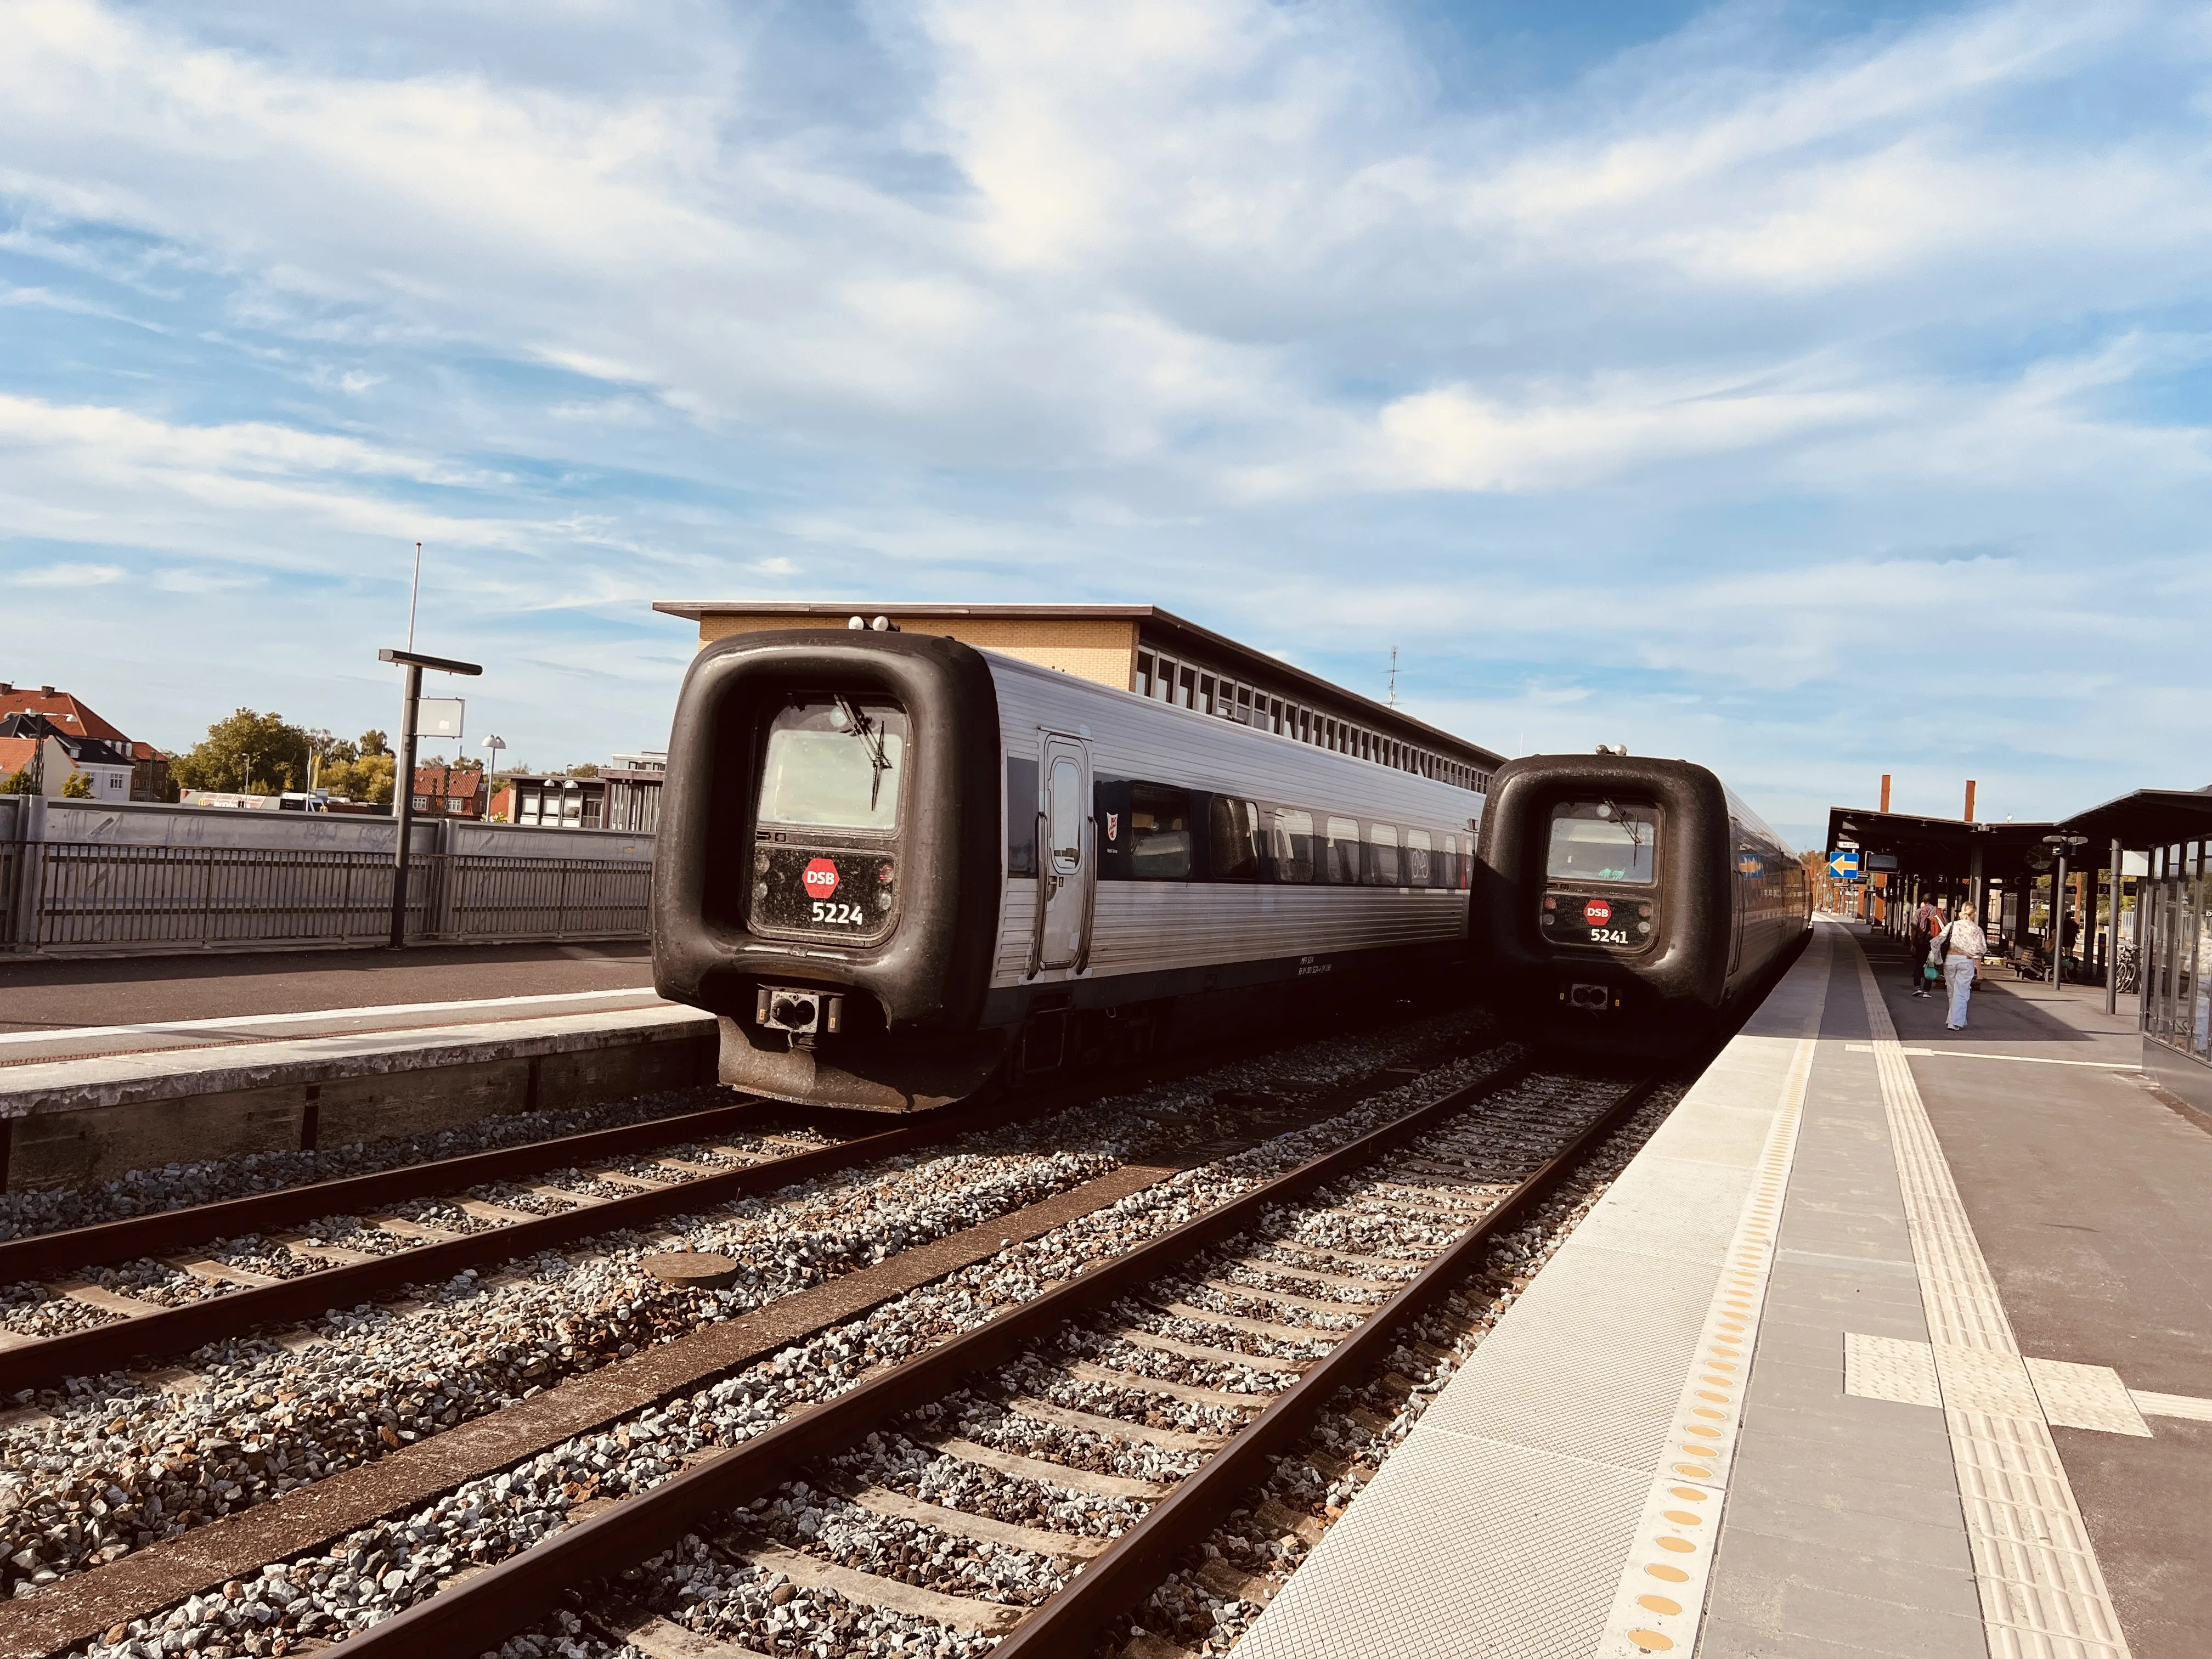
point(865, 729)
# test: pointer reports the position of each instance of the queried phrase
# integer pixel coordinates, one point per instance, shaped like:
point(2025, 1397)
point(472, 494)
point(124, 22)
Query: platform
point(1892, 1340)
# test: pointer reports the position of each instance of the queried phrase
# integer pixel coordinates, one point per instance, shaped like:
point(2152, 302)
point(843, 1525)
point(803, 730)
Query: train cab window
point(1234, 827)
point(1603, 840)
point(1021, 816)
point(1420, 869)
point(1292, 851)
point(1159, 833)
point(1340, 859)
point(1064, 815)
point(835, 762)
point(1382, 863)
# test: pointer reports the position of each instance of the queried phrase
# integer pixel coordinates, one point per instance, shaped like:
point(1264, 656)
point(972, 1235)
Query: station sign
point(1844, 864)
point(1881, 861)
point(438, 717)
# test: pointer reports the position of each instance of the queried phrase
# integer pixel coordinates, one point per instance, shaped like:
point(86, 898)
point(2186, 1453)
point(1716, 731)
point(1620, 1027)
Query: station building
point(1154, 653)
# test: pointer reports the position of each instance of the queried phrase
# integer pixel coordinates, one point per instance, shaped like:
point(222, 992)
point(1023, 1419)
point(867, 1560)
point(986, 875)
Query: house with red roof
point(72, 725)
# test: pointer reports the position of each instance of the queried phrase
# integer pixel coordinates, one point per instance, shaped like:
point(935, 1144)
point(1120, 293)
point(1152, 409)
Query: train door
point(1736, 890)
point(1068, 865)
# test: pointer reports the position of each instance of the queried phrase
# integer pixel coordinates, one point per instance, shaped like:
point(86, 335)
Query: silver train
point(899, 870)
point(1630, 903)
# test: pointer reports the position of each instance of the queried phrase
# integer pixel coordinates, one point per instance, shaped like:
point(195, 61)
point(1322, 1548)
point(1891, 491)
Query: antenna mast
point(412, 592)
point(1394, 676)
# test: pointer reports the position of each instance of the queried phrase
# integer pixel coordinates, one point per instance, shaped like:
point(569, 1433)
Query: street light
point(492, 745)
point(403, 781)
point(2059, 844)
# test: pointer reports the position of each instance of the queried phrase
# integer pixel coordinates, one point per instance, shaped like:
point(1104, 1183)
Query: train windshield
point(1603, 840)
point(834, 760)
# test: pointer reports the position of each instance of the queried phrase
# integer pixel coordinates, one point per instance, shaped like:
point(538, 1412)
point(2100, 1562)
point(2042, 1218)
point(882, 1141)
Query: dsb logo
point(821, 878)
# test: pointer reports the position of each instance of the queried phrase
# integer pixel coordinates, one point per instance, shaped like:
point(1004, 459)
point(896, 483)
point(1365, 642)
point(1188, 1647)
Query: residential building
point(1145, 649)
point(634, 790)
point(449, 792)
point(72, 719)
point(552, 803)
point(53, 755)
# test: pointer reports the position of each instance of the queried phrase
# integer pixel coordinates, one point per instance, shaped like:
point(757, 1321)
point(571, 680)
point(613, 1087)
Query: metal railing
point(65, 897)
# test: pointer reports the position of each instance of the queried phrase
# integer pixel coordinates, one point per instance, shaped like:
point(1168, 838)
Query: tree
point(365, 777)
point(582, 770)
point(362, 770)
point(77, 786)
point(19, 782)
point(257, 754)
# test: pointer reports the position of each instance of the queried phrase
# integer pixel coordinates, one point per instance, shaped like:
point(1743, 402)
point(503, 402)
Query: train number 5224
point(841, 915)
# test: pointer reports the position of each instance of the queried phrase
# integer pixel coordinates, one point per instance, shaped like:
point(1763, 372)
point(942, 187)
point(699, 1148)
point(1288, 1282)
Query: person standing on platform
point(1927, 923)
point(1963, 946)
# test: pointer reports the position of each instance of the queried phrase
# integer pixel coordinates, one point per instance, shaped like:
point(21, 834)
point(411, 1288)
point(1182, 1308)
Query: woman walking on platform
point(1963, 945)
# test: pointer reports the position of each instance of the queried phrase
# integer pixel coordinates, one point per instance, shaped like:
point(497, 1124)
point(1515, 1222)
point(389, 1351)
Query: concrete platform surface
point(54, 1011)
point(1892, 1340)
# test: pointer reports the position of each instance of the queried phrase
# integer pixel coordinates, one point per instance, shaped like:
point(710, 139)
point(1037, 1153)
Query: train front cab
point(1602, 905)
point(826, 872)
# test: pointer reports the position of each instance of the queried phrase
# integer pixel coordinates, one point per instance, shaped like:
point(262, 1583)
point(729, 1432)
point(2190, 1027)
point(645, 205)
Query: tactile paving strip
point(1660, 1601)
point(1890, 1368)
point(2043, 1595)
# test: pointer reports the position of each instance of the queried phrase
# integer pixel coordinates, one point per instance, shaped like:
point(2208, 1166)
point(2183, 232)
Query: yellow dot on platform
point(1650, 1640)
point(1680, 1545)
point(1690, 1493)
point(1684, 1519)
point(1672, 1575)
point(1694, 1471)
point(1658, 1604)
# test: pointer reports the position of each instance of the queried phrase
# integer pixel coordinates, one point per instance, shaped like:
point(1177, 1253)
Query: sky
point(1812, 391)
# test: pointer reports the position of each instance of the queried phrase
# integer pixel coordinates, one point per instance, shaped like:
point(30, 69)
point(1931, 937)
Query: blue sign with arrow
point(1844, 865)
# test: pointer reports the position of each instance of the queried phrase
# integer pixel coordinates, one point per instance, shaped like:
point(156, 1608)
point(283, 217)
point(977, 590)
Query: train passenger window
point(1159, 833)
point(1603, 840)
point(1236, 851)
point(1292, 848)
point(1340, 860)
point(1420, 869)
point(1021, 816)
point(834, 760)
point(1382, 861)
point(1065, 814)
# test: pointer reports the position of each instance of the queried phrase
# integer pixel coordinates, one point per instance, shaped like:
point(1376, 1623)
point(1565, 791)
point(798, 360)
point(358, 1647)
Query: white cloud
point(68, 576)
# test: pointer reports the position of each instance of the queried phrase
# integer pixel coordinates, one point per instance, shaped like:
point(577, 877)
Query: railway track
point(326, 1502)
point(1026, 1480)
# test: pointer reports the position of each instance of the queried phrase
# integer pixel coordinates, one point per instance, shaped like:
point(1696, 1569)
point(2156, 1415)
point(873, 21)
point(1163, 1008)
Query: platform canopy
point(2148, 817)
point(1940, 848)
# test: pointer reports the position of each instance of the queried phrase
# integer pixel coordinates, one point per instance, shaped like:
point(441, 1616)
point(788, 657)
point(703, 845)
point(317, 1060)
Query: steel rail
point(168, 1331)
point(480, 1613)
point(1102, 1593)
point(71, 1250)
point(179, 1330)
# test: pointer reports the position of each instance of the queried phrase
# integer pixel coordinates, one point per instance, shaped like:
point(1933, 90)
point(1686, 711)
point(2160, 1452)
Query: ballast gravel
point(375, 1378)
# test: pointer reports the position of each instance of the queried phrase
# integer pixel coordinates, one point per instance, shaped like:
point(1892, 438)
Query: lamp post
point(2058, 844)
point(403, 782)
point(492, 745)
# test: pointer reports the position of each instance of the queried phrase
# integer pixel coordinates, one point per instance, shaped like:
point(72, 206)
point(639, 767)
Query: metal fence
point(69, 896)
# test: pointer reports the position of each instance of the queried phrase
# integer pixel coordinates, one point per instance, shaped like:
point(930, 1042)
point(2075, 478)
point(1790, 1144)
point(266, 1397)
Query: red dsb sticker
point(820, 877)
point(1597, 912)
